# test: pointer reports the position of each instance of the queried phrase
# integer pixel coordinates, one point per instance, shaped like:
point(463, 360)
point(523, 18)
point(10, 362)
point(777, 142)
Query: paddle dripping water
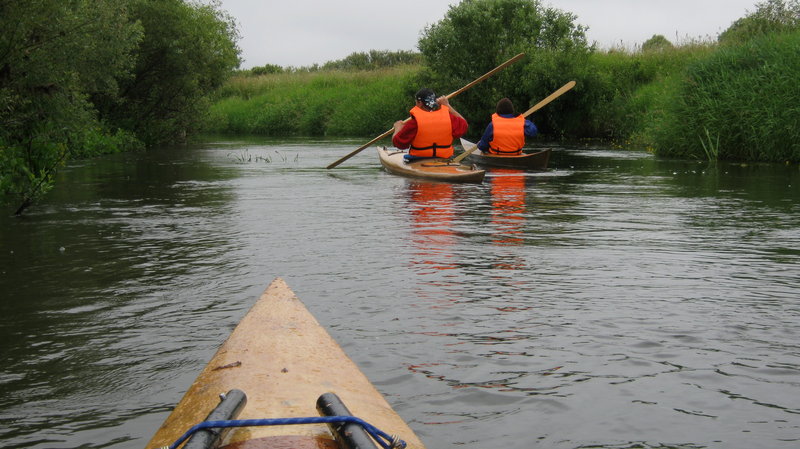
point(613, 301)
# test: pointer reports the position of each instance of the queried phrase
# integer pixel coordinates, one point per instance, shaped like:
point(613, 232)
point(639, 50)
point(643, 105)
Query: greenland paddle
point(483, 77)
point(530, 111)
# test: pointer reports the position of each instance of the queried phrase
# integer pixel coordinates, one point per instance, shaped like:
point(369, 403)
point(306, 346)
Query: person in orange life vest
point(505, 134)
point(433, 126)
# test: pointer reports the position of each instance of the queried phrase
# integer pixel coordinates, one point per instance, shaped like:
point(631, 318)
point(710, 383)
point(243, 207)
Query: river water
point(614, 301)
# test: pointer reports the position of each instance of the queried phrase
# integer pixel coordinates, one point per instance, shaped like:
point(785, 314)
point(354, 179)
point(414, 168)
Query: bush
point(656, 43)
point(741, 103)
point(771, 16)
point(328, 103)
point(476, 36)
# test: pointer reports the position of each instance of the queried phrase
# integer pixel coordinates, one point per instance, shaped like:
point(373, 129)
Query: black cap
point(427, 97)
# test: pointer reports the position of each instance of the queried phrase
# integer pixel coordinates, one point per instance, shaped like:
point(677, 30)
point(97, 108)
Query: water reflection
point(617, 301)
point(508, 205)
point(432, 214)
point(508, 214)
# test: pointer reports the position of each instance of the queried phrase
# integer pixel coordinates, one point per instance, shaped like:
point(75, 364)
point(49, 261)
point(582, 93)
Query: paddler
point(505, 134)
point(433, 126)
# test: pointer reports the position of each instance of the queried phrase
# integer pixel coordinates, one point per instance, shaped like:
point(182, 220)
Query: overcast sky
point(304, 32)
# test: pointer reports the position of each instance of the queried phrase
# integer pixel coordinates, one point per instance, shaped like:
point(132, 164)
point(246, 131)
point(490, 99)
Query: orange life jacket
point(434, 133)
point(508, 136)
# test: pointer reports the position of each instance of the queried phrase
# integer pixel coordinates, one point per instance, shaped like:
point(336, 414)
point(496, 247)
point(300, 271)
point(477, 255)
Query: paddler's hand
point(443, 101)
point(398, 125)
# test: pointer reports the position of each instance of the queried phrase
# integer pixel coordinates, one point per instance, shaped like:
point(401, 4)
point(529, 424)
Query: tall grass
point(746, 97)
point(623, 90)
point(699, 100)
point(329, 103)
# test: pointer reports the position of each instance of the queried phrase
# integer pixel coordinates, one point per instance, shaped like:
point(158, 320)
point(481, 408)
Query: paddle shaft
point(530, 111)
point(387, 133)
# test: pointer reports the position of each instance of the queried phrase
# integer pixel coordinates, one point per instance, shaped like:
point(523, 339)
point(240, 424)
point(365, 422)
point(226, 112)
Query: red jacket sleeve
point(459, 126)
point(402, 140)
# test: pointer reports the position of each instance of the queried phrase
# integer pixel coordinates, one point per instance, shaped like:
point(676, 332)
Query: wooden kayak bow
point(387, 133)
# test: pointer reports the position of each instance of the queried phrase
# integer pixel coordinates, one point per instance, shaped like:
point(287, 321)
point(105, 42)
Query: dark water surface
point(615, 301)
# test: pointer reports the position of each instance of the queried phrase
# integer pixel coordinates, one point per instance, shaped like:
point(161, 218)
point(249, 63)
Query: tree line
point(86, 77)
point(732, 97)
point(80, 78)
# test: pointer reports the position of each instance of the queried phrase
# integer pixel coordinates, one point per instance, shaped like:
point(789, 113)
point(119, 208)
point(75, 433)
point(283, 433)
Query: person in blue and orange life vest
point(433, 126)
point(505, 134)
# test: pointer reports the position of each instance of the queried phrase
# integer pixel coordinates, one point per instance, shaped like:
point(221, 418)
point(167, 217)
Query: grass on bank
point(334, 103)
point(700, 100)
point(745, 98)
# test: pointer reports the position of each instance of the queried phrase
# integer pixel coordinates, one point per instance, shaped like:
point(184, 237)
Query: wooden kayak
point(435, 169)
point(529, 161)
point(283, 360)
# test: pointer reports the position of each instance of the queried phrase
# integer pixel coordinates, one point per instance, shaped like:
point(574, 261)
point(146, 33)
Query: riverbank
point(699, 100)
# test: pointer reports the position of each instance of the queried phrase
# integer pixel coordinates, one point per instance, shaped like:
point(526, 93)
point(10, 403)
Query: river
point(613, 301)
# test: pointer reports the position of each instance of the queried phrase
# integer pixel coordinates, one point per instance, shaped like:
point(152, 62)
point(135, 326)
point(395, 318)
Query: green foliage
point(656, 43)
point(374, 60)
point(333, 103)
point(187, 52)
point(371, 60)
point(771, 16)
point(621, 92)
point(742, 98)
point(266, 69)
point(55, 55)
point(85, 77)
point(478, 35)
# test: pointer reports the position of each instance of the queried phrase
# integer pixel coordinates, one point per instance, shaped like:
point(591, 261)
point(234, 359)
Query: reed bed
point(742, 100)
point(329, 103)
point(699, 100)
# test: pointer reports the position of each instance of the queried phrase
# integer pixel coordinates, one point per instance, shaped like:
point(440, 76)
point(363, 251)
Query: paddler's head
point(505, 107)
point(426, 99)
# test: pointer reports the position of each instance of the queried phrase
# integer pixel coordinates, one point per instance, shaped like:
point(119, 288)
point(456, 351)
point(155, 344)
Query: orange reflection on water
point(508, 205)
point(508, 212)
point(432, 213)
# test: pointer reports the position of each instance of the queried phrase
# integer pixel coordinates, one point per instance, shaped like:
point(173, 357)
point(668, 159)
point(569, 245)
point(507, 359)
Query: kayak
point(435, 169)
point(531, 161)
point(280, 363)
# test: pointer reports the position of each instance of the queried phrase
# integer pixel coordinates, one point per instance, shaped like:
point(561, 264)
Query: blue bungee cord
point(386, 441)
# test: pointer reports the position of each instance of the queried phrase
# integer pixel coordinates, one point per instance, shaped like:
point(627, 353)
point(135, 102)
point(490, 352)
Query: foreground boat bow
point(284, 360)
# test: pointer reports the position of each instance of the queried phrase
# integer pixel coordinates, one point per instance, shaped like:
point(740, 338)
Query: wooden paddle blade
point(467, 151)
point(359, 149)
point(550, 98)
point(488, 74)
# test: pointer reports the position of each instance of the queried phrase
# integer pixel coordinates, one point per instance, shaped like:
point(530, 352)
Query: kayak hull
point(525, 161)
point(528, 161)
point(283, 360)
point(433, 169)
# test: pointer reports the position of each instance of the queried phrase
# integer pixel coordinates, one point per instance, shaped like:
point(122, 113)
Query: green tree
point(81, 77)
point(656, 43)
point(266, 69)
point(769, 17)
point(477, 35)
point(188, 50)
point(53, 56)
point(373, 60)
